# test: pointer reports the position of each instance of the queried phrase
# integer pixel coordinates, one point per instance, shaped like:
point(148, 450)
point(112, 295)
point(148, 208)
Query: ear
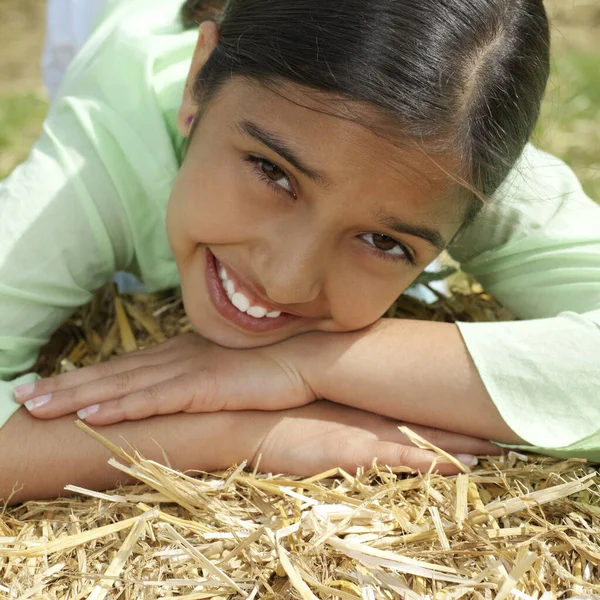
point(208, 38)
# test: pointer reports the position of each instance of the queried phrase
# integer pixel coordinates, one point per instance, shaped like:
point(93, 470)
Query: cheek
point(175, 219)
point(204, 201)
point(362, 299)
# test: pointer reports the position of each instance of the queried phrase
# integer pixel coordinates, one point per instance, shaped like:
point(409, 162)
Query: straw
point(516, 526)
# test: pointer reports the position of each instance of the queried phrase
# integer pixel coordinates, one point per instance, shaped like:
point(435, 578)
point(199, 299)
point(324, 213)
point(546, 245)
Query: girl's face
point(285, 220)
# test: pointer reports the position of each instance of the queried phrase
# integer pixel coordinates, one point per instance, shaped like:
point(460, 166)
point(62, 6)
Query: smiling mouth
point(236, 302)
point(241, 301)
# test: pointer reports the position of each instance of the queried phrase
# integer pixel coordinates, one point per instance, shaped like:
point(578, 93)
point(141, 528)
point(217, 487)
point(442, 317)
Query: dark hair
point(466, 75)
point(193, 12)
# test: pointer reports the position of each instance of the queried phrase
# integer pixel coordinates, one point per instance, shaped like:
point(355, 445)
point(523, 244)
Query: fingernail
point(467, 459)
point(37, 402)
point(84, 413)
point(24, 390)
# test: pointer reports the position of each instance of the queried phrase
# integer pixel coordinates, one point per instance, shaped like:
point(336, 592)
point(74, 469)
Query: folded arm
point(418, 371)
point(38, 458)
point(54, 248)
point(537, 248)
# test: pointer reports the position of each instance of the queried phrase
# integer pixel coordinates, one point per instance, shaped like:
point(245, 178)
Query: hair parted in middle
point(465, 77)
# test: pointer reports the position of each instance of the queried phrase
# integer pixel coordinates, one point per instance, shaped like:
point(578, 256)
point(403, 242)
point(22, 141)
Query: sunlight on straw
point(101, 589)
point(380, 532)
point(422, 443)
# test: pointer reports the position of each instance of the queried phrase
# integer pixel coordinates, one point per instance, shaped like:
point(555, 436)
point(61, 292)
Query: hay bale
point(517, 527)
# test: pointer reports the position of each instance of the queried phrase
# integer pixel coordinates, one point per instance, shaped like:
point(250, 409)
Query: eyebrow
point(433, 236)
point(279, 146)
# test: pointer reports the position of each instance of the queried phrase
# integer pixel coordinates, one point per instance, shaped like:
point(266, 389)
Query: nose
point(291, 268)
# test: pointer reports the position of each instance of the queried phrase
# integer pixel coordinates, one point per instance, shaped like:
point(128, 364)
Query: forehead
point(386, 173)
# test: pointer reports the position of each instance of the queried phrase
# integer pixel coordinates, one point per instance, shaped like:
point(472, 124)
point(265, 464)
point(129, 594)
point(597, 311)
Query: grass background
point(569, 126)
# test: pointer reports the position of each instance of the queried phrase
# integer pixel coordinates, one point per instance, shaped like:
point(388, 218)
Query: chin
point(210, 327)
point(229, 338)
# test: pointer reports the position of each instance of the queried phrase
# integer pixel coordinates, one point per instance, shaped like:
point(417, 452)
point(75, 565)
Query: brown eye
point(272, 171)
point(388, 247)
point(383, 242)
point(272, 174)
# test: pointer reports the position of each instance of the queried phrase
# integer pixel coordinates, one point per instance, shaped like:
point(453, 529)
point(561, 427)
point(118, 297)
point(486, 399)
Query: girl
point(323, 155)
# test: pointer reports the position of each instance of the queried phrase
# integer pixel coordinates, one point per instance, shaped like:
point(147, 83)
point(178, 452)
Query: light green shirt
point(91, 199)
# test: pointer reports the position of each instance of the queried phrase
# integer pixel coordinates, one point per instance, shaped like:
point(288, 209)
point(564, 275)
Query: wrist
point(315, 355)
point(303, 354)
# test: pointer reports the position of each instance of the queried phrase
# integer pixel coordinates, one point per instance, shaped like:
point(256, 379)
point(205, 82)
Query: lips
point(227, 310)
point(244, 298)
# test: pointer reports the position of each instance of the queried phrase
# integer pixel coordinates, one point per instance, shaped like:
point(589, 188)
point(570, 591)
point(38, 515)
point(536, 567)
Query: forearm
point(41, 457)
point(414, 371)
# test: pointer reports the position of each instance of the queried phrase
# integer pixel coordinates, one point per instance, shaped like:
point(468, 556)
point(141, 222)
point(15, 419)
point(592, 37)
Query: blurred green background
point(569, 127)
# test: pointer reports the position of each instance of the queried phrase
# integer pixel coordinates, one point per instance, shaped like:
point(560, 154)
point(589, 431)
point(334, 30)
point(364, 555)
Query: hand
point(184, 374)
point(311, 439)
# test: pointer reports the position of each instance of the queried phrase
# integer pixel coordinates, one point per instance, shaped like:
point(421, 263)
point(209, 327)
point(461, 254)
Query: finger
point(166, 397)
point(455, 443)
point(388, 430)
point(106, 370)
point(119, 385)
point(389, 453)
point(393, 455)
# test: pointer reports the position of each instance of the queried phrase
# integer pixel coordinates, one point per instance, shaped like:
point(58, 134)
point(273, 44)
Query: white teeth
point(258, 312)
point(240, 302)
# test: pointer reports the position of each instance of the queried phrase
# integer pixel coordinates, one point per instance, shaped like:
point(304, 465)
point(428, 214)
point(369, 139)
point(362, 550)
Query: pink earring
point(190, 119)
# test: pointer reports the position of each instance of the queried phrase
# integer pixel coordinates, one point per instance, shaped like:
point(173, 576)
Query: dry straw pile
point(516, 527)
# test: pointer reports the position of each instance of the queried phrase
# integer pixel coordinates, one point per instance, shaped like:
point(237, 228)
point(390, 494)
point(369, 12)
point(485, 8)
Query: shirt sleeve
point(91, 199)
point(536, 247)
point(62, 235)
